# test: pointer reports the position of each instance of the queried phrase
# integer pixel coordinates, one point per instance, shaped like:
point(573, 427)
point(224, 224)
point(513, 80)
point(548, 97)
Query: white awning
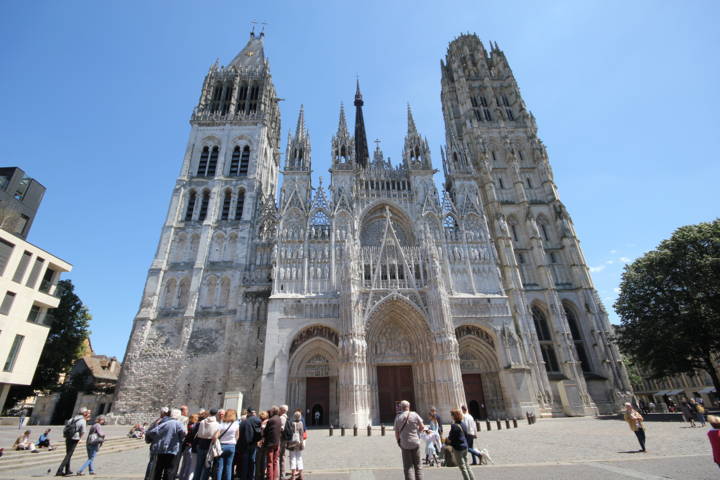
point(660, 393)
point(707, 390)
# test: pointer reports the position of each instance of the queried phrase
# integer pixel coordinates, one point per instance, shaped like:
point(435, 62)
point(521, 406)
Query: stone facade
point(342, 301)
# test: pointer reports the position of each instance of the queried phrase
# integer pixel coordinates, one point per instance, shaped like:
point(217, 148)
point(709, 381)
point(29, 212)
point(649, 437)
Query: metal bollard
point(477, 425)
point(499, 424)
point(527, 415)
point(507, 424)
point(342, 430)
point(488, 425)
point(369, 430)
point(514, 422)
point(330, 430)
point(354, 430)
point(382, 430)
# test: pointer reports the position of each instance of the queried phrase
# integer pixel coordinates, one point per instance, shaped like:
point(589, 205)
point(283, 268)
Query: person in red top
point(714, 437)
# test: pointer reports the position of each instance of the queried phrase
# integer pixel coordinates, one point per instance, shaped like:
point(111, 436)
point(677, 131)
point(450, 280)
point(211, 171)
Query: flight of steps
point(12, 460)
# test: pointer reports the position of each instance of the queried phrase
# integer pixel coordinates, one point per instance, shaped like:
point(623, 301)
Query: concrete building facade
point(344, 300)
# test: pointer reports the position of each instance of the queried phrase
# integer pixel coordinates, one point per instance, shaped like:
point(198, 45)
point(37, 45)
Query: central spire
point(361, 147)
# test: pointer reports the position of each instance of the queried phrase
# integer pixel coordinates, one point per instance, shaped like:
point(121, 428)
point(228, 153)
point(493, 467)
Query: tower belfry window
point(204, 205)
point(225, 214)
point(212, 163)
point(190, 206)
point(235, 162)
point(202, 166)
point(240, 205)
point(254, 94)
point(227, 94)
point(244, 161)
point(242, 98)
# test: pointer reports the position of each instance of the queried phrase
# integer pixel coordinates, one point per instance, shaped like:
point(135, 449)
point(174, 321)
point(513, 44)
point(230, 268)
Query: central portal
point(394, 384)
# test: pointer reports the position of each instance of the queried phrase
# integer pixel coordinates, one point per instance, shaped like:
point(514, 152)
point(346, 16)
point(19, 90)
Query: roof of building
point(253, 55)
point(103, 367)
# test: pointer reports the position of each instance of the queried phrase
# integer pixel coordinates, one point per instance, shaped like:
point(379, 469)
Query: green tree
point(69, 328)
point(669, 304)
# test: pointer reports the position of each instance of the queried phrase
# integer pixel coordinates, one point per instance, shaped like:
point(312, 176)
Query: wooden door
point(474, 395)
point(394, 385)
point(317, 400)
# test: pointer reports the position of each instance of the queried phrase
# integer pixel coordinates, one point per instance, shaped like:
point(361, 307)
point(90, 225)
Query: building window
point(577, 338)
point(6, 249)
point(35, 272)
point(553, 259)
point(204, 205)
point(242, 98)
point(47, 280)
point(514, 232)
point(212, 163)
point(545, 339)
point(544, 232)
point(240, 205)
point(190, 206)
point(14, 352)
point(529, 183)
point(244, 161)
point(22, 267)
point(509, 114)
point(226, 205)
point(202, 166)
point(235, 162)
point(500, 182)
point(34, 315)
point(254, 94)
point(7, 303)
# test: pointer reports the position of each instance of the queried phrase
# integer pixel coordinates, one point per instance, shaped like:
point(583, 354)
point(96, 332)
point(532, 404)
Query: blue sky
point(96, 98)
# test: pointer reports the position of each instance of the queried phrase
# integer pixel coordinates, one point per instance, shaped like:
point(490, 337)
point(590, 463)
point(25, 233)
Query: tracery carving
point(309, 333)
point(478, 332)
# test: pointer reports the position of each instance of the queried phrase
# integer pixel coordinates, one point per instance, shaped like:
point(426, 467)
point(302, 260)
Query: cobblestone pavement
point(562, 448)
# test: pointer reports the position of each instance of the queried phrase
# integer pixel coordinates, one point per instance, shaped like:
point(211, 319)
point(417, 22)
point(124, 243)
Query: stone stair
point(12, 459)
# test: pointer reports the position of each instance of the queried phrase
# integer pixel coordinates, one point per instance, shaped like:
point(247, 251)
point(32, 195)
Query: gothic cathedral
point(343, 301)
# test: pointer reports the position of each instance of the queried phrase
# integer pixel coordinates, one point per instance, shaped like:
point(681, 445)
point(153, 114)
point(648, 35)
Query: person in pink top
point(714, 437)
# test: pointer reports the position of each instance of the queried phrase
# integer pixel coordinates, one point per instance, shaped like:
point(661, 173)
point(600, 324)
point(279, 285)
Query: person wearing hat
point(714, 437)
point(206, 431)
point(635, 421)
point(247, 444)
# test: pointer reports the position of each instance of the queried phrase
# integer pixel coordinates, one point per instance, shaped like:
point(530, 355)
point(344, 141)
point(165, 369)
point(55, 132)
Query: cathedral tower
point(492, 138)
point(207, 288)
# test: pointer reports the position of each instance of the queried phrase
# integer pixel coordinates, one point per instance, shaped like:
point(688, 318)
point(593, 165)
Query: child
point(714, 436)
point(432, 446)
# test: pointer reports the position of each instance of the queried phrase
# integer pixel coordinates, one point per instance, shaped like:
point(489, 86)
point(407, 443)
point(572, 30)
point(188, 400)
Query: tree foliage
point(69, 328)
point(669, 304)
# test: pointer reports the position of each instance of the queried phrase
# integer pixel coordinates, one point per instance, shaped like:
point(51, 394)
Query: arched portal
point(399, 354)
point(313, 374)
point(480, 372)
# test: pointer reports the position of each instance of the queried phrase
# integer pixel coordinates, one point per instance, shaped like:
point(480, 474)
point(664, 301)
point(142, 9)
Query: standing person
point(95, 439)
point(283, 409)
point(699, 411)
point(21, 420)
point(187, 468)
point(271, 443)
point(206, 431)
point(407, 427)
point(471, 432)
point(73, 431)
point(261, 455)
point(247, 445)
point(635, 421)
point(714, 437)
point(435, 423)
point(687, 413)
point(295, 446)
point(228, 433)
point(458, 439)
point(165, 438)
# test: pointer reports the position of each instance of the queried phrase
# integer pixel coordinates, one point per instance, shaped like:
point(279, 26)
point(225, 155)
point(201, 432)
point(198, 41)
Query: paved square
point(561, 448)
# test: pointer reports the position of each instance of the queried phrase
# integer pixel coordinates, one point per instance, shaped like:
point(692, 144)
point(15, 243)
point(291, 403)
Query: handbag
point(215, 449)
point(305, 435)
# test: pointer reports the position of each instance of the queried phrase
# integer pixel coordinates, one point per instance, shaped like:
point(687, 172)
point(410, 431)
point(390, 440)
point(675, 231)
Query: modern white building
point(343, 300)
point(28, 283)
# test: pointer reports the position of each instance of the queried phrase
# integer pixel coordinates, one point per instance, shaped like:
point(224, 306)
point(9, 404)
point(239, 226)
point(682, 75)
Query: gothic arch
point(373, 221)
point(210, 141)
point(169, 293)
point(311, 332)
point(476, 347)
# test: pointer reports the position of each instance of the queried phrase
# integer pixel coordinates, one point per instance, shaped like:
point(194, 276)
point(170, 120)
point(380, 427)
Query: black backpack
point(288, 431)
point(71, 427)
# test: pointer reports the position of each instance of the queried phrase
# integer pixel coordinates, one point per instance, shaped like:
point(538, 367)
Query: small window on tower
point(244, 161)
point(240, 205)
point(235, 162)
point(510, 115)
point(202, 166)
point(500, 182)
point(212, 164)
point(514, 232)
point(226, 205)
point(529, 183)
point(204, 205)
point(190, 206)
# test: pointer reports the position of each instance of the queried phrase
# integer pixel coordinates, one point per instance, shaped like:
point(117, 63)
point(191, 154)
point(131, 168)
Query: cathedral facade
point(343, 300)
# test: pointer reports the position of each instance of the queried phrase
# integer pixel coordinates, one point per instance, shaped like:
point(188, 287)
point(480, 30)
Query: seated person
point(23, 442)
point(44, 440)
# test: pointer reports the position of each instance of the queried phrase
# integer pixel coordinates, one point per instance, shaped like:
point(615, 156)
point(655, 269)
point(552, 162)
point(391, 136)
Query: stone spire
point(412, 130)
point(300, 129)
point(298, 147)
point(361, 146)
point(342, 124)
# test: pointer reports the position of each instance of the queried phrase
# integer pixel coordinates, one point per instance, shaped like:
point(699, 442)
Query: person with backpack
point(295, 446)
point(73, 431)
point(95, 439)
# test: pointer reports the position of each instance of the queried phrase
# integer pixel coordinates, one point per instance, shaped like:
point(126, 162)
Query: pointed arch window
point(235, 162)
point(577, 337)
point(190, 206)
point(244, 161)
point(240, 205)
point(254, 94)
point(212, 163)
point(545, 340)
point(225, 214)
point(227, 94)
point(202, 165)
point(204, 205)
point(451, 228)
point(242, 98)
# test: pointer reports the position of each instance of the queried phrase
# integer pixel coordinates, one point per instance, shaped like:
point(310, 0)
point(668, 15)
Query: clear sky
point(96, 98)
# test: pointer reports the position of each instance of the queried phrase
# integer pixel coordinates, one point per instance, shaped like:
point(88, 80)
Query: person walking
point(95, 439)
point(714, 437)
point(206, 431)
point(471, 432)
point(635, 421)
point(458, 440)
point(73, 431)
point(165, 438)
point(228, 434)
point(698, 410)
point(21, 419)
point(271, 443)
point(295, 446)
point(247, 445)
point(408, 425)
point(687, 413)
